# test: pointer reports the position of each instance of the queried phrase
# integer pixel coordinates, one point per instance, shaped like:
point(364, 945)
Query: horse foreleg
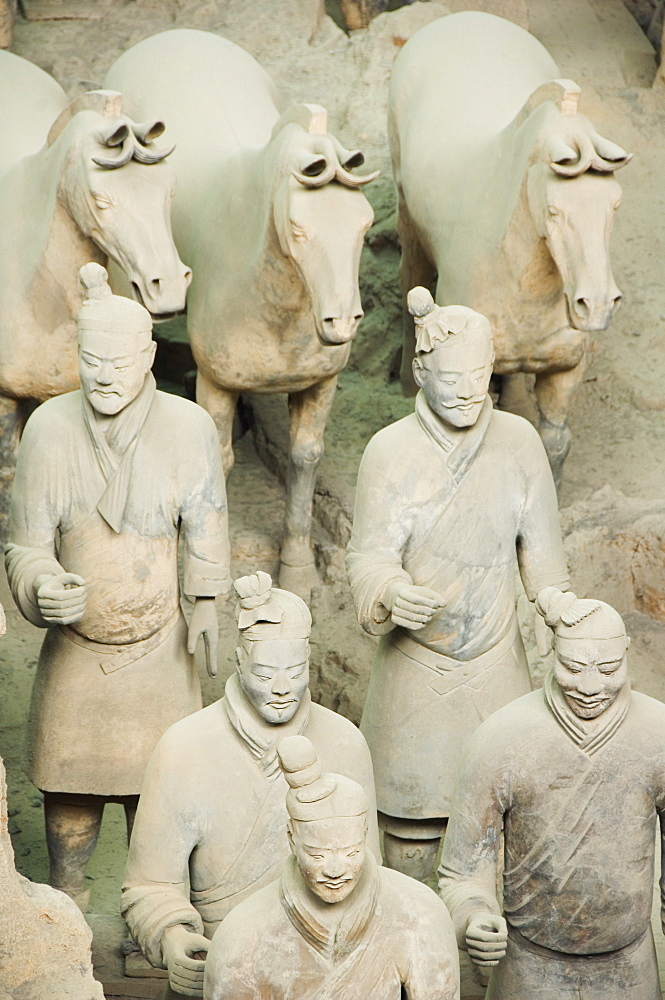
point(555, 392)
point(415, 269)
point(308, 411)
point(221, 405)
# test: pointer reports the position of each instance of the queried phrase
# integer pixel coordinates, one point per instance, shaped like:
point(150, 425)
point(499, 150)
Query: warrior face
point(590, 672)
point(113, 367)
point(274, 675)
point(455, 376)
point(330, 854)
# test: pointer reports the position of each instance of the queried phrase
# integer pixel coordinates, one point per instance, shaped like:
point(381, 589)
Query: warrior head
point(272, 657)
point(454, 357)
point(590, 644)
point(116, 349)
point(327, 821)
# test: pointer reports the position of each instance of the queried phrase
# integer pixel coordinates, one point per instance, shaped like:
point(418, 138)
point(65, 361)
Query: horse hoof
point(300, 580)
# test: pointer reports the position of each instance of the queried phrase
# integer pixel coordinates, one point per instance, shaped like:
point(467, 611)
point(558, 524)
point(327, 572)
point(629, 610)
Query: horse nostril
point(618, 299)
point(154, 285)
point(358, 317)
point(582, 306)
point(188, 275)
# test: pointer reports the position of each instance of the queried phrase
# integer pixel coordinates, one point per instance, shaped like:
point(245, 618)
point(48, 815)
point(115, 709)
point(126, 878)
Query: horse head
point(321, 217)
point(118, 188)
point(573, 195)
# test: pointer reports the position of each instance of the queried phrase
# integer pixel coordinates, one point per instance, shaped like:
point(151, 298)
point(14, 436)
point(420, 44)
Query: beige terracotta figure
point(507, 193)
point(567, 783)
point(109, 479)
point(334, 925)
point(45, 939)
point(78, 182)
point(271, 217)
point(450, 502)
point(211, 822)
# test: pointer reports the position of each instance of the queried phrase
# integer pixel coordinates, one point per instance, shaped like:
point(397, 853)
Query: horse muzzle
point(334, 331)
point(587, 313)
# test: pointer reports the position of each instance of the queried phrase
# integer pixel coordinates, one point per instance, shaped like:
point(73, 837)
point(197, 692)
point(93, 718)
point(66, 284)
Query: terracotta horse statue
point(79, 181)
point(272, 219)
point(506, 193)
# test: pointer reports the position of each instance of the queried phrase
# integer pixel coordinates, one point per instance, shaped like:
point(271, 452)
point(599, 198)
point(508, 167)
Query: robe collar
point(261, 739)
point(460, 444)
point(587, 734)
point(334, 930)
point(115, 446)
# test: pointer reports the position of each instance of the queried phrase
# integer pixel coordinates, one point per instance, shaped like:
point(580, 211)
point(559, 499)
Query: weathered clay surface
point(571, 764)
point(333, 925)
point(275, 303)
point(45, 939)
point(193, 858)
point(506, 194)
point(109, 480)
point(432, 563)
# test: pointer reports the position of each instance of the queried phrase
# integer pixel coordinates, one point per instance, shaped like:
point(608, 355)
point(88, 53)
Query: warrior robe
point(211, 822)
point(456, 511)
point(391, 938)
point(577, 804)
point(109, 499)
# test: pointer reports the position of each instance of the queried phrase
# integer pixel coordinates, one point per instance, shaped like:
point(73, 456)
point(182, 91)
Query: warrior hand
point(486, 937)
point(410, 606)
point(184, 955)
point(204, 623)
point(60, 597)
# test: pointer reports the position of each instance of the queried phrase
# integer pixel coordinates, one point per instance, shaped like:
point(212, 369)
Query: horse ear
point(610, 156)
point(147, 132)
point(107, 102)
point(113, 134)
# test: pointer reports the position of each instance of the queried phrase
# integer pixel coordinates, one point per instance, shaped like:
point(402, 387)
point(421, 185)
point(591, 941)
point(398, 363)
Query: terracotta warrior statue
point(334, 925)
point(109, 479)
point(580, 768)
point(211, 824)
point(450, 502)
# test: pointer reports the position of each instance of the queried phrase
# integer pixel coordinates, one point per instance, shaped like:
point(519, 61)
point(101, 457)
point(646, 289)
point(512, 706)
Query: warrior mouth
point(339, 884)
point(282, 704)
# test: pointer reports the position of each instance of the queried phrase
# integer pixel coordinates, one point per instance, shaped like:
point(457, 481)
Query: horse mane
point(106, 102)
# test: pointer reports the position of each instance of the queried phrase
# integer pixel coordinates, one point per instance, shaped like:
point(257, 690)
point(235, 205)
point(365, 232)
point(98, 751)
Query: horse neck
point(278, 285)
point(517, 243)
point(56, 248)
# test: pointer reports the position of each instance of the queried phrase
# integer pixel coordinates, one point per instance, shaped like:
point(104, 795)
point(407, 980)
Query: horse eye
point(553, 211)
point(102, 203)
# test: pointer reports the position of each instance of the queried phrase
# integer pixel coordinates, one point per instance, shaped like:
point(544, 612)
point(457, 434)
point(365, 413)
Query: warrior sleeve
point(155, 891)
point(540, 552)
point(433, 966)
point(468, 869)
point(378, 539)
point(34, 518)
point(204, 516)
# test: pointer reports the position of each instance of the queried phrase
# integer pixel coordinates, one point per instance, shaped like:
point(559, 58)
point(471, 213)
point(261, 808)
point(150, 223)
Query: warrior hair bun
point(298, 759)
point(558, 607)
point(253, 591)
point(419, 301)
point(94, 279)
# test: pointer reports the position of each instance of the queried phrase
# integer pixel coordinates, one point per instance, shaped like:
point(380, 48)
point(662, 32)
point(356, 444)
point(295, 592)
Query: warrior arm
point(374, 553)
point(540, 554)
point(34, 519)
point(467, 873)
point(204, 519)
point(433, 968)
point(155, 891)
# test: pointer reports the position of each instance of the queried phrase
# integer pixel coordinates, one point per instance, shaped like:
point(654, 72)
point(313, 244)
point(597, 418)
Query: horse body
point(272, 221)
point(507, 194)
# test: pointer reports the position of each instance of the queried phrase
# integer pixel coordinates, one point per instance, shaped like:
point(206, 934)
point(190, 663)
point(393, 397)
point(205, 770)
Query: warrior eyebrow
point(583, 663)
point(98, 357)
point(273, 666)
